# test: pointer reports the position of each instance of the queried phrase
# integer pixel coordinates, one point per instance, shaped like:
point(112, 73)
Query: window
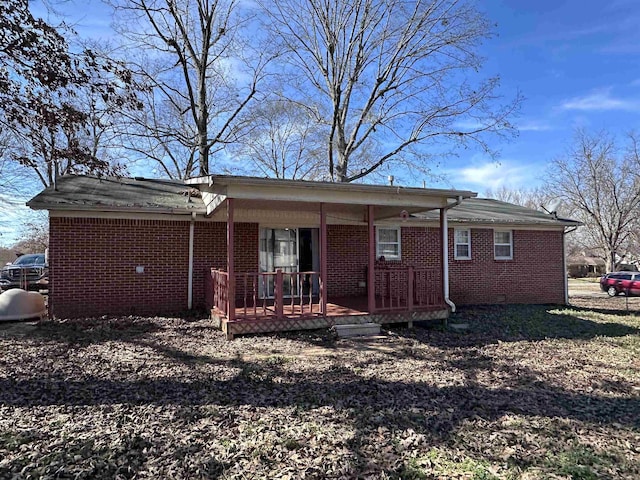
point(503, 244)
point(388, 243)
point(621, 276)
point(462, 244)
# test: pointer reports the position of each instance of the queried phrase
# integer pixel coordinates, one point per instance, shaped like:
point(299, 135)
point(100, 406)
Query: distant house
point(268, 255)
point(584, 265)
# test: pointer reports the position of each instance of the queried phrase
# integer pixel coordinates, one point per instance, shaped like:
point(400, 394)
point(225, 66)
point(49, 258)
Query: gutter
point(190, 280)
point(445, 252)
point(111, 208)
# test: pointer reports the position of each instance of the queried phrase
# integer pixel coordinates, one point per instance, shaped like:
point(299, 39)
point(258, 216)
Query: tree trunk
point(203, 154)
point(611, 261)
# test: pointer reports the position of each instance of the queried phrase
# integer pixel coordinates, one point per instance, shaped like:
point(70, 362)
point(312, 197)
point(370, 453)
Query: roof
point(584, 260)
point(90, 193)
point(283, 194)
point(85, 192)
point(489, 211)
point(231, 180)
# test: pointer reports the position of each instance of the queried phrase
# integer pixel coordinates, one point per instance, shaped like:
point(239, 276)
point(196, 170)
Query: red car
point(615, 283)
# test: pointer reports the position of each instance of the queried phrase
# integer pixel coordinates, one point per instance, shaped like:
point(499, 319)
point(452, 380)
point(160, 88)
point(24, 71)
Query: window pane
point(502, 237)
point(389, 250)
point(462, 236)
point(503, 250)
point(386, 235)
point(462, 251)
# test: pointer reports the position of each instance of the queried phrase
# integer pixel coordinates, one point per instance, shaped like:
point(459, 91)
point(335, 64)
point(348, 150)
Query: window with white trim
point(503, 244)
point(462, 244)
point(388, 243)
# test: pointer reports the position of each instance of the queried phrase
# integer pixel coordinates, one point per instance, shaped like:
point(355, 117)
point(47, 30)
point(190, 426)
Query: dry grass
point(527, 392)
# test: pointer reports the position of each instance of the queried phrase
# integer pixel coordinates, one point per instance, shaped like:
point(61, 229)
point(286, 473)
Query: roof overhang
point(119, 195)
point(113, 209)
point(389, 199)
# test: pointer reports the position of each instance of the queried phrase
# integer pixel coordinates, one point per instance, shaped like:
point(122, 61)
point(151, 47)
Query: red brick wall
point(347, 255)
point(92, 264)
point(210, 250)
point(347, 259)
point(535, 275)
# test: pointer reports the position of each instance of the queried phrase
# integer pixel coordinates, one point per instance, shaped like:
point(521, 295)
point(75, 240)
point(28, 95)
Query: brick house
point(268, 255)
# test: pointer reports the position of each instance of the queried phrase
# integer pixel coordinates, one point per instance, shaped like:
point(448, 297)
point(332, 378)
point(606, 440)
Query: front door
point(290, 250)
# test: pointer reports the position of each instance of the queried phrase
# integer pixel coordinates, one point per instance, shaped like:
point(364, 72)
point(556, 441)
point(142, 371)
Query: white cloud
point(533, 126)
point(525, 126)
point(493, 175)
point(600, 100)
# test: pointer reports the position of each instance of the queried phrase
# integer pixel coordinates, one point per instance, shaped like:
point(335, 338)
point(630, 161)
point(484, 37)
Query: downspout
point(445, 253)
point(190, 284)
point(564, 264)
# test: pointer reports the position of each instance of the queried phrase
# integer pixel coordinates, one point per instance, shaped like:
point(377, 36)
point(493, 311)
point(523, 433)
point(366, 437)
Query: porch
point(402, 295)
point(298, 265)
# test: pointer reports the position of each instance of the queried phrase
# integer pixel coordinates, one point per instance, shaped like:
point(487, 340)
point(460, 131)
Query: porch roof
point(217, 188)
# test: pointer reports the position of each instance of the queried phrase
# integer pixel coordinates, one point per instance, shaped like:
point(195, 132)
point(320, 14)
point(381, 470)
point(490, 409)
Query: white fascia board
point(264, 189)
point(168, 216)
point(97, 209)
point(337, 196)
point(212, 201)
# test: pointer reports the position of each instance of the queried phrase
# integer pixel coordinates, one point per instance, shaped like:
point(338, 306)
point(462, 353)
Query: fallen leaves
point(526, 392)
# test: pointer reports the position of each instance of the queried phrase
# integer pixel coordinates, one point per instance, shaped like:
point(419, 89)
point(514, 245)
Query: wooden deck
point(343, 310)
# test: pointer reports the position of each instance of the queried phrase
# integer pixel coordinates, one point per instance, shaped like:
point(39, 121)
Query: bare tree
point(10, 172)
point(284, 142)
point(11, 183)
point(34, 234)
point(202, 74)
point(535, 198)
point(602, 184)
point(392, 73)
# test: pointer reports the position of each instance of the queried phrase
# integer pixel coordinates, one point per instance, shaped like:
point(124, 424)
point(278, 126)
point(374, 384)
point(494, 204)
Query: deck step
point(357, 329)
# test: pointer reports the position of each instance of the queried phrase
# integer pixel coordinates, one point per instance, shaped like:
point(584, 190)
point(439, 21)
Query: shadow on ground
point(493, 323)
point(369, 394)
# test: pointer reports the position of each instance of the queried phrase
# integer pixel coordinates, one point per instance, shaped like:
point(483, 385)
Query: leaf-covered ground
point(526, 392)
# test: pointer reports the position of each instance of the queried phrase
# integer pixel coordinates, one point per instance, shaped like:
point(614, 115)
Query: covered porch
point(323, 291)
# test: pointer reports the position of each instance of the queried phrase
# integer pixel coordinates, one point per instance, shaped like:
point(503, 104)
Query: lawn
point(526, 392)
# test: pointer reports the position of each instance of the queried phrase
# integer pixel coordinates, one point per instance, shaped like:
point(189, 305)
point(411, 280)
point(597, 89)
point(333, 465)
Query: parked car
point(615, 283)
point(29, 271)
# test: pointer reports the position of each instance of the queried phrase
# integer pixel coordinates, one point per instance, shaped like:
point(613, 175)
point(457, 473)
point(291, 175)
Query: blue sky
point(577, 63)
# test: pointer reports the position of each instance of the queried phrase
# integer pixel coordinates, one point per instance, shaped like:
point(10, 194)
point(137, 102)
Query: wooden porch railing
point(407, 288)
point(293, 293)
point(287, 294)
point(217, 290)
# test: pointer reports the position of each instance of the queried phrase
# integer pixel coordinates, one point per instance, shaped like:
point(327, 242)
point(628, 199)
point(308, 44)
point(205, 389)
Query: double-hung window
point(503, 244)
point(462, 244)
point(388, 243)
